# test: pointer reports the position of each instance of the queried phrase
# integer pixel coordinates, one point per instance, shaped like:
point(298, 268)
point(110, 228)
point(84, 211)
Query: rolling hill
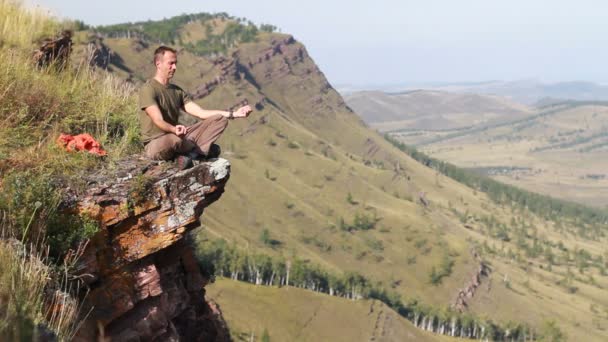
point(312, 185)
point(432, 110)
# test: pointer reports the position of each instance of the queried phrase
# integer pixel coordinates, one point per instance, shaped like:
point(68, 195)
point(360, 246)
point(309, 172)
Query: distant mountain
point(432, 110)
point(527, 91)
point(531, 91)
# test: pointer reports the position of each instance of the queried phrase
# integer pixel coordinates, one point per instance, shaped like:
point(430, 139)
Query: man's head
point(165, 59)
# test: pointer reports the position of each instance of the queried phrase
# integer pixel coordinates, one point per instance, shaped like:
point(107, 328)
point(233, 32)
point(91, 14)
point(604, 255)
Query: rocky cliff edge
point(142, 279)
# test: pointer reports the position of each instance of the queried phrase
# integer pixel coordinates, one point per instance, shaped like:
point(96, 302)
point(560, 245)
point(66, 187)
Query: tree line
point(594, 221)
point(167, 31)
point(219, 258)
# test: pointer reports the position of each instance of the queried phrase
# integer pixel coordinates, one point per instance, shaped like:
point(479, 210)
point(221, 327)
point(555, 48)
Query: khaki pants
point(199, 138)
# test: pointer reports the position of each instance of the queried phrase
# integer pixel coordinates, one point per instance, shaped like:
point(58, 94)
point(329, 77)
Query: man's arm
point(196, 110)
point(157, 118)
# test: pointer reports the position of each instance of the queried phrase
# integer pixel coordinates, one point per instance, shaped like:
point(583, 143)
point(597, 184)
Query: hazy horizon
point(399, 42)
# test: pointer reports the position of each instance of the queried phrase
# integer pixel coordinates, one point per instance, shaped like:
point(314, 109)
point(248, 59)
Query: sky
point(385, 42)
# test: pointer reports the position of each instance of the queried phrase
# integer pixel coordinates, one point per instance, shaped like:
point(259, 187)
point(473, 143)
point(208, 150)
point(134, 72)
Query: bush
point(445, 270)
point(360, 222)
point(267, 240)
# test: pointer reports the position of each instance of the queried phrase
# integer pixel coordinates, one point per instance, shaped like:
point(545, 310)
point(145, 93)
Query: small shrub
point(360, 222)
point(350, 200)
point(384, 229)
point(445, 270)
point(267, 240)
point(140, 189)
point(268, 176)
point(374, 244)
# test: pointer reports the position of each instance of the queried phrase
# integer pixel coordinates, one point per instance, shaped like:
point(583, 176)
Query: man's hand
point(180, 130)
point(242, 112)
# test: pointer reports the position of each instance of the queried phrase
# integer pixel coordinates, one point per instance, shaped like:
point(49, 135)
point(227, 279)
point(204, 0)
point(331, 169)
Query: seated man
point(161, 106)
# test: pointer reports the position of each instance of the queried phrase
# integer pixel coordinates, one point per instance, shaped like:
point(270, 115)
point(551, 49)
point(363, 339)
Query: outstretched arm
point(196, 110)
point(157, 117)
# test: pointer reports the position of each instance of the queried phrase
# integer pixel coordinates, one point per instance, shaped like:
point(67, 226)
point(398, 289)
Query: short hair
point(160, 52)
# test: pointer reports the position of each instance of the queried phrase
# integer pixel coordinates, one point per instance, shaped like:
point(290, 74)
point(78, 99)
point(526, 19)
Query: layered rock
point(143, 278)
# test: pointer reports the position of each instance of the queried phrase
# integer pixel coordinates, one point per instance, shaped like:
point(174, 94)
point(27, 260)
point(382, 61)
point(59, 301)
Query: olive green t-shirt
point(169, 98)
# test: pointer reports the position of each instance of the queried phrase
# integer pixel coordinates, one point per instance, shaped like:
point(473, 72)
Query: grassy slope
point(292, 314)
point(298, 192)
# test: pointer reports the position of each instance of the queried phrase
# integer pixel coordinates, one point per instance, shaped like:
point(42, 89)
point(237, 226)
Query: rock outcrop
point(54, 51)
point(143, 278)
point(482, 271)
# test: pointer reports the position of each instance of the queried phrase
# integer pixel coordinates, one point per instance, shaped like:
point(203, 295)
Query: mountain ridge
point(529, 92)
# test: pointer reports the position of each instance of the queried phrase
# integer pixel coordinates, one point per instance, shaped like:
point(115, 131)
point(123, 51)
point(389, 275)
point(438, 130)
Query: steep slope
point(432, 110)
point(307, 173)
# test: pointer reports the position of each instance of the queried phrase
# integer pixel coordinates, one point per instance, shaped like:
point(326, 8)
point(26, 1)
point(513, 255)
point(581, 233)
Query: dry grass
point(20, 28)
point(30, 304)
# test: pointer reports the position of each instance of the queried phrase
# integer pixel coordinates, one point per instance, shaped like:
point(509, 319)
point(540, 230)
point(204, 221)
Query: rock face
point(482, 271)
point(143, 279)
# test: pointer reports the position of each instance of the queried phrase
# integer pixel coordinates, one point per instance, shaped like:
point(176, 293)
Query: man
point(162, 116)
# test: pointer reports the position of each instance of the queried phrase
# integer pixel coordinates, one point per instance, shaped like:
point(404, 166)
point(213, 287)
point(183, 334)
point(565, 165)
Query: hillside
point(288, 314)
point(310, 182)
point(316, 199)
point(432, 110)
point(558, 151)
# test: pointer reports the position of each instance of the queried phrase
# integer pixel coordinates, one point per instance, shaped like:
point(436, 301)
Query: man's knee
point(220, 120)
point(164, 147)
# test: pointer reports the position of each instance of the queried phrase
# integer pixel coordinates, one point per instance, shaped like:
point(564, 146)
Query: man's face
point(167, 64)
